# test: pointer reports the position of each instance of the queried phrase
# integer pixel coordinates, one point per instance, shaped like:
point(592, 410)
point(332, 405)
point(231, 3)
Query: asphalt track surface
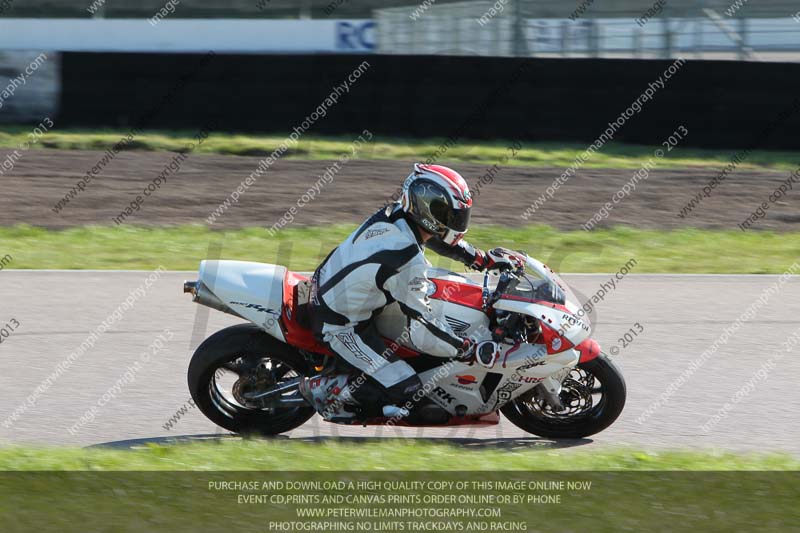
point(682, 315)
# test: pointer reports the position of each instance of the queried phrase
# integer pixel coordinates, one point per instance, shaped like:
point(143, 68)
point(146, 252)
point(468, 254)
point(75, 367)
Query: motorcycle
point(544, 373)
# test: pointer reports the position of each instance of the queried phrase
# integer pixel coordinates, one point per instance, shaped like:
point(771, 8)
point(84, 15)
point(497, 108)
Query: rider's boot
point(331, 397)
point(392, 411)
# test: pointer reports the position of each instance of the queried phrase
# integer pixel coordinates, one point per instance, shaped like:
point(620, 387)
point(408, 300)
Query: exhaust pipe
point(190, 286)
point(203, 296)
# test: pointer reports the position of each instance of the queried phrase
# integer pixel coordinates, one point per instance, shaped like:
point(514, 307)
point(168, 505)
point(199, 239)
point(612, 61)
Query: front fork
point(550, 388)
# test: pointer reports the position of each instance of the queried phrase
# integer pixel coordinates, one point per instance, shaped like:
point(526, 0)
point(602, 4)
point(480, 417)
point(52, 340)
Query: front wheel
point(593, 396)
point(232, 365)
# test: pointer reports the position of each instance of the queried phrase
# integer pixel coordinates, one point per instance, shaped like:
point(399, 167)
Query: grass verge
point(277, 485)
point(382, 454)
point(533, 154)
point(181, 248)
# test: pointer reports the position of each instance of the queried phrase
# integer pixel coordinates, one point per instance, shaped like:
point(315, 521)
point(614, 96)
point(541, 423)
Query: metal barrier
point(713, 29)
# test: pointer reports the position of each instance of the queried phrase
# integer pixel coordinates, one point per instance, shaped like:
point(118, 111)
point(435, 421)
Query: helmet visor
point(458, 219)
point(455, 219)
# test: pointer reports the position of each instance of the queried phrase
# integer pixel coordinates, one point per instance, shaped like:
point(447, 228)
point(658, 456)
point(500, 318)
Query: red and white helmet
point(438, 199)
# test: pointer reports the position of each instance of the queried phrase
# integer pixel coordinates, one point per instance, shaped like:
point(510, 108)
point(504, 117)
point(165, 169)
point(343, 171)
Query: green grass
point(189, 487)
point(389, 454)
point(533, 154)
point(303, 248)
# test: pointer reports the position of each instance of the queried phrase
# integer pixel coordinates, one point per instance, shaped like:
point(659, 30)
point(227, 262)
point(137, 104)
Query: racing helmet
point(437, 199)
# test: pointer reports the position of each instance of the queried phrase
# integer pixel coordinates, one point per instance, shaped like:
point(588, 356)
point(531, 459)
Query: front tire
point(243, 348)
point(584, 415)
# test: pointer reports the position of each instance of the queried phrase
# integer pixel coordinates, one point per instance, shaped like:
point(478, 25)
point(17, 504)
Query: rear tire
point(231, 344)
point(526, 413)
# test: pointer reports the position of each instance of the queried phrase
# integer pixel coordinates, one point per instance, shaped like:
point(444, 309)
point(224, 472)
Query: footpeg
point(330, 395)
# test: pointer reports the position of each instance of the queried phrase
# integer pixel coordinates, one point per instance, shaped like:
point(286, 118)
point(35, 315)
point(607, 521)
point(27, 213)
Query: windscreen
point(533, 288)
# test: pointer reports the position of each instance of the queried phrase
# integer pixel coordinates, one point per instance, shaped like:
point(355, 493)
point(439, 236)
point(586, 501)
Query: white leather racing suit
point(380, 263)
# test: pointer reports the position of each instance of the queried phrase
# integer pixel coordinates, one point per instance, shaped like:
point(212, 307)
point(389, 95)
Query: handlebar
point(506, 277)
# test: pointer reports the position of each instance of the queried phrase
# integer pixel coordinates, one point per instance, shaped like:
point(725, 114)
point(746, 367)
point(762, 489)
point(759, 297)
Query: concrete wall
point(722, 104)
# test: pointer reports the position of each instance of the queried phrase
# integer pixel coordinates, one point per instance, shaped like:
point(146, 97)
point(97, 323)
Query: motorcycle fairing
point(296, 327)
point(268, 295)
point(520, 367)
point(555, 317)
point(253, 290)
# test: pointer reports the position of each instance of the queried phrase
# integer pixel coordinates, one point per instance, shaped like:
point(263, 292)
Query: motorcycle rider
point(382, 262)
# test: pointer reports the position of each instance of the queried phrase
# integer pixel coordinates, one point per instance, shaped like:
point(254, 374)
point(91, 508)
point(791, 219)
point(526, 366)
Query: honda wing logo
point(459, 327)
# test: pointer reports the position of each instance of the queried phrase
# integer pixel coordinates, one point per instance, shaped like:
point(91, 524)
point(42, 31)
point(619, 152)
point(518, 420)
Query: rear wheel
point(593, 396)
point(237, 362)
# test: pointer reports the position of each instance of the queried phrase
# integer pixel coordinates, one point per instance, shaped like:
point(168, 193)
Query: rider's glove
point(467, 351)
point(497, 259)
point(486, 353)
